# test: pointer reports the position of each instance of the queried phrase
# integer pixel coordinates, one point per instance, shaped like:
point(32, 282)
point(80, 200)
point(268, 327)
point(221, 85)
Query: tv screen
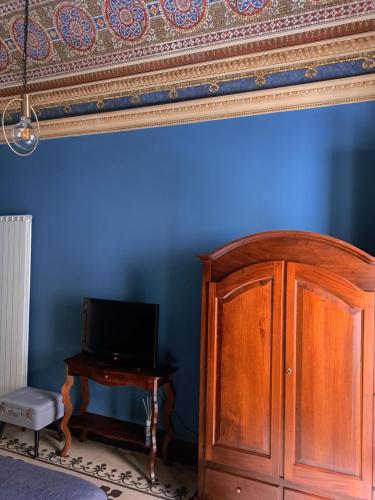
point(121, 332)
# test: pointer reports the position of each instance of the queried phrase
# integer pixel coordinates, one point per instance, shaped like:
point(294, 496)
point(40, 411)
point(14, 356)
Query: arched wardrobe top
point(304, 247)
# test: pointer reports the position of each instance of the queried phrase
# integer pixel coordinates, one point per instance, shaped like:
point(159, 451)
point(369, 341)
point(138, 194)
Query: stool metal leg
point(2, 428)
point(36, 444)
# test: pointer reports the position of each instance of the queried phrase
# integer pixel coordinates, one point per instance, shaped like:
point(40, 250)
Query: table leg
point(59, 433)
point(84, 382)
point(168, 407)
point(85, 395)
point(154, 425)
point(68, 407)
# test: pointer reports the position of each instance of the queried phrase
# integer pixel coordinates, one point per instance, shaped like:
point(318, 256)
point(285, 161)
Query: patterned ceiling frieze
point(184, 14)
point(128, 19)
point(75, 27)
point(246, 8)
point(361, 47)
point(113, 59)
point(39, 45)
point(4, 56)
point(301, 39)
point(69, 38)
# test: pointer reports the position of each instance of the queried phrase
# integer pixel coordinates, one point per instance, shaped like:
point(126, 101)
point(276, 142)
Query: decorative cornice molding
point(257, 65)
point(332, 92)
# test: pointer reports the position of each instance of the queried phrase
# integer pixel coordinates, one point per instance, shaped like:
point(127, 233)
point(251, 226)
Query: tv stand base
point(88, 368)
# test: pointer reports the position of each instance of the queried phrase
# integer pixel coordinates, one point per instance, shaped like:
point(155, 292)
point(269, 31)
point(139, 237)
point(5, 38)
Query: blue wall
point(122, 216)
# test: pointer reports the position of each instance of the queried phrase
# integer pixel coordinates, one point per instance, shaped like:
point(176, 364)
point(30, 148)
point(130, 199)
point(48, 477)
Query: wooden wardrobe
point(287, 382)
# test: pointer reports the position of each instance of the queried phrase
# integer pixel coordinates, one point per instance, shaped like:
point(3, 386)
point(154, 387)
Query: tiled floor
point(120, 473)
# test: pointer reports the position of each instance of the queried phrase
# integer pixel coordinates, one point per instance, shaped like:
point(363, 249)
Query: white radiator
point(15, 253)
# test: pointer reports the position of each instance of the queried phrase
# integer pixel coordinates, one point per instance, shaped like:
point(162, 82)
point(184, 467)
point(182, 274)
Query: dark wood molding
point(298, 246)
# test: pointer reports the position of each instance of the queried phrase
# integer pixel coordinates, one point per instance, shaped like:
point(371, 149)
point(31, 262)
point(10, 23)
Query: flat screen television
point(120, 332)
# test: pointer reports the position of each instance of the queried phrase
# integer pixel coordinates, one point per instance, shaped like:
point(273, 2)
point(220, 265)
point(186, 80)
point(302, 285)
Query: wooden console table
point(87, 367)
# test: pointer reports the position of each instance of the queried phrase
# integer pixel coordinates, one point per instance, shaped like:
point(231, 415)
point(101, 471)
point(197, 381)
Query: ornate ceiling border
point(260, 66)
point(302, 39)
point(317, 74)
point(332, 92)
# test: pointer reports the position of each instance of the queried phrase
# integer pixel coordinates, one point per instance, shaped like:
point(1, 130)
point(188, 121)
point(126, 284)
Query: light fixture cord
point(24, 61)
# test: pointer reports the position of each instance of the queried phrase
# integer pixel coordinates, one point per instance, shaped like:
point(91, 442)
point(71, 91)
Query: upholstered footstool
point(31, 408)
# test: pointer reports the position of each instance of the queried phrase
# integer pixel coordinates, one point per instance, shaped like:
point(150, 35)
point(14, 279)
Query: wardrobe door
point(243, 407)
point(328, 382)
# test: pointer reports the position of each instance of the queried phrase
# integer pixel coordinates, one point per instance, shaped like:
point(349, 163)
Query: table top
point(86, 361)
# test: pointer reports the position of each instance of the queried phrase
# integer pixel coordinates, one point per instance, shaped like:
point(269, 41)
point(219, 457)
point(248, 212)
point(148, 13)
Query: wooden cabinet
point(287, 369)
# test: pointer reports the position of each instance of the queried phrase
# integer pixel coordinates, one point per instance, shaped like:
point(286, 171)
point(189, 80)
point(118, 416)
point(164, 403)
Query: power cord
point(179, 417)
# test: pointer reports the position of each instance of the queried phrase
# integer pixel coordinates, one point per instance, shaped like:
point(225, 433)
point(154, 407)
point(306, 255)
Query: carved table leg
point(154, 425)
point(84, 382)
point(168, 406)
point(68, 407)
point(59, 433)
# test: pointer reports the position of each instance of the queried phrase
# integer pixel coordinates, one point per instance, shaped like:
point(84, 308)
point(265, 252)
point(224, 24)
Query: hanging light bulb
point(24, 136)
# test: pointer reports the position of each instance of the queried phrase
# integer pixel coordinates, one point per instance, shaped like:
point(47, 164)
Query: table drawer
point(223, 486)
point(116, 377)
point(108, 377)
point(104, 378)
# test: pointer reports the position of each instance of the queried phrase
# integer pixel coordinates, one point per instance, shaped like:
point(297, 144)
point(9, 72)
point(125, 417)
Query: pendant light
point(23, 137)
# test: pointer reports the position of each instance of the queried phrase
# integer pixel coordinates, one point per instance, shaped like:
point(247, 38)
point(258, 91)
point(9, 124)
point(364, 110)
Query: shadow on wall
point(173, 281)
point(364, 200)
point(352, 192)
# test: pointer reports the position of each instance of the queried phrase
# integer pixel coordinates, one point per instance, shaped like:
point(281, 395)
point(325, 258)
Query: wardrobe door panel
point(244, 357)
point(328, 382)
